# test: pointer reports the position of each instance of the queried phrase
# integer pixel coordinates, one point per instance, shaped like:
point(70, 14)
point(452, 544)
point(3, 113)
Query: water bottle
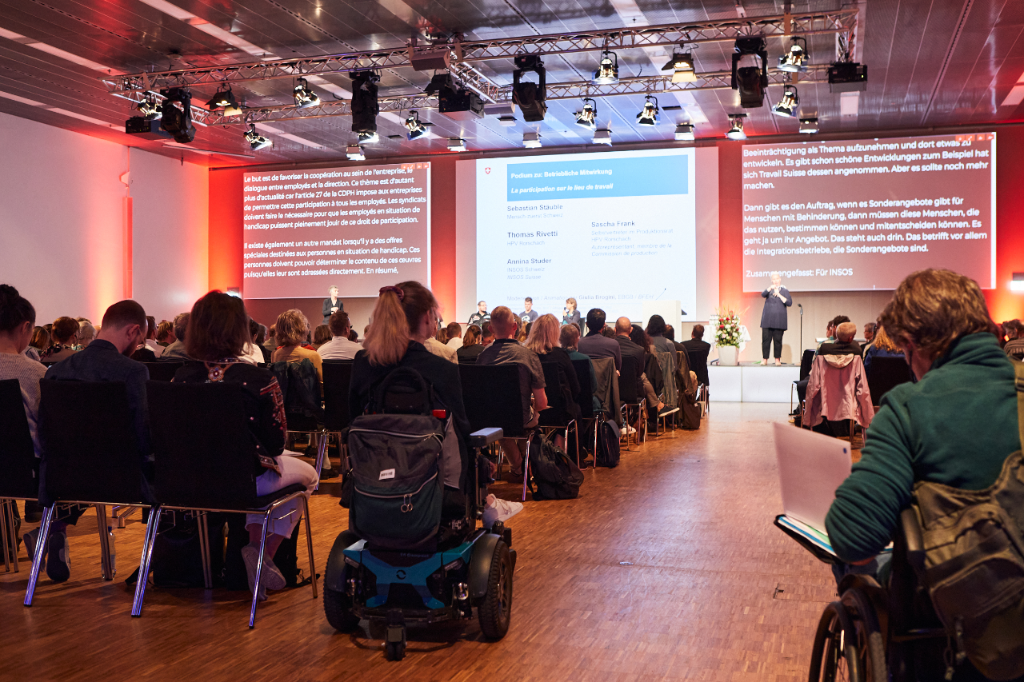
point(111, 552)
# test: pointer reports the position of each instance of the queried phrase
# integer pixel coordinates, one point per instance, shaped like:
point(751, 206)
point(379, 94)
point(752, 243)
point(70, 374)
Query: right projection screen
point(862, 215)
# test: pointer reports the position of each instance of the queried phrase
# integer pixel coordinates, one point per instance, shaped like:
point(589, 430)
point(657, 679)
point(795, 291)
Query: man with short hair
point(504, 351)
point(595, 345)
point(869, 333)
point(623, 327)
point(844, 343)
point(151, 342)
point(700, 348)
point(339, 347)
point(481, 315)
point(123, 328)
point(486, 334)
point(529, 314)
point(176, 351)
point(454, 331)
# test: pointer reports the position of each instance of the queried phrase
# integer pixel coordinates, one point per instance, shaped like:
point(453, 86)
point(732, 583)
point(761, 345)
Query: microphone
point(662, 292)
point(801, 307)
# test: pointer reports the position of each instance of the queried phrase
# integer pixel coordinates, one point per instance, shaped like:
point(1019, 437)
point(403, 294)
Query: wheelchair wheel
point(496, 611)
point(338, 608)
point(834, 656)
point(870, 640)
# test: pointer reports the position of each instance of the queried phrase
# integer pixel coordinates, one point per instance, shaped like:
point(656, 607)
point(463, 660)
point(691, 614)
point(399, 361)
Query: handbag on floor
point(555, 476)
point(608, 435)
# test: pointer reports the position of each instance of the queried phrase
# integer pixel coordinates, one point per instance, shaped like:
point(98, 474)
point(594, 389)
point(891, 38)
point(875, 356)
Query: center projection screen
point(863, 214)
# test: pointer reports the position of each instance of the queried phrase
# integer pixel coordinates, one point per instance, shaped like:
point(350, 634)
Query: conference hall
point(530, 339)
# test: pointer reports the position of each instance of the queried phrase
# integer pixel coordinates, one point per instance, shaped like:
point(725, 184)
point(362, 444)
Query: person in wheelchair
point(955, 426)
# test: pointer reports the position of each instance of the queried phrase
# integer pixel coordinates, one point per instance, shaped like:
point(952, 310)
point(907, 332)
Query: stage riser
point(752, 383)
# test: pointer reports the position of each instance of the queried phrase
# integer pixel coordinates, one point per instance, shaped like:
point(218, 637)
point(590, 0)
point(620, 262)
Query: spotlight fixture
point(528, 95)
point(587, 117)
point(369, 138)
point(847, 77)
point(364, 105)
point(795, 60)
point(684, 133)
point(149, 107)
point(304, 95)
point(178, 121)
point(603, 136)
point(608, 71)
point(355, 153)
point(456, 144)
point(532, 140)
point(682, 67)
point(255, 140)
point(736, 131)
point(456, 103)
point(649, 115)
point(225, 100)
point(789, 104)
point(414, 126)
point(809, 125)
point(751, 81)
point(507, 120)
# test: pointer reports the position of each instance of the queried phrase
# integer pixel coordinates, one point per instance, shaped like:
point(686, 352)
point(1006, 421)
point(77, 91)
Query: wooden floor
point(667, 567)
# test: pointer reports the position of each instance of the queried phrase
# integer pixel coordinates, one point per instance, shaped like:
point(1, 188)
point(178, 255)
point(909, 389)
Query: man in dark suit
point(631, 350)
point(699, 348)
point(595, 345)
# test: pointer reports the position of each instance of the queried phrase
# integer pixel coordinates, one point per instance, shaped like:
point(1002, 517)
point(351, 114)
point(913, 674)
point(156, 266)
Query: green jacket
point(956, 426)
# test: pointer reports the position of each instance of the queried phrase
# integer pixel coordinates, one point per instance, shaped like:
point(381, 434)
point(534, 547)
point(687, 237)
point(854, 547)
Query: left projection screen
point(359, 228)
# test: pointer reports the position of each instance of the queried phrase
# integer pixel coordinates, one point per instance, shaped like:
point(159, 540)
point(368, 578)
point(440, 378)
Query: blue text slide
point(637, 177)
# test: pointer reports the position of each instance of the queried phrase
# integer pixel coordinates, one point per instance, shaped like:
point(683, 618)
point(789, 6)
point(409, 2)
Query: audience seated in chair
point(176, 350)
point(438, 347)
point(471, 346)
point(1014, 347)
point(656, 330)
point(39, 343)
point(123, 329)
point(881, 347)
point(644, 387)
point(164, 334)
point(257, 336)
point(292, 329)
point(454, 332)
point(218, 332)
point(86, 333)
point(64, 337)
point(700, 348)
point(151, 342)
point(543, 341)
point(506, 350)
point(835, 346)
point(568, 339)
point(595, 344)
point(340, 347)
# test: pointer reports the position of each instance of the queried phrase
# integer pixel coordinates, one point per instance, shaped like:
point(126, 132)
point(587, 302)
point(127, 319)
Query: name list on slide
point(356, 228)
point(864, 214)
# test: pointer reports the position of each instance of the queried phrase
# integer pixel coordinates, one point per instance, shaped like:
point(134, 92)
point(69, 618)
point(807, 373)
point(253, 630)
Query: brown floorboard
point(667, 567)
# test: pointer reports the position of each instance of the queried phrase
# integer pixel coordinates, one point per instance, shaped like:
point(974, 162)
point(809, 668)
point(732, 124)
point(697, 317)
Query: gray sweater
point(28, 372)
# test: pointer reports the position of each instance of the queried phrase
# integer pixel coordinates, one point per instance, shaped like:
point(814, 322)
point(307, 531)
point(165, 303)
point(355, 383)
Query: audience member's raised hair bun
point(6, 290)
point(14, 310)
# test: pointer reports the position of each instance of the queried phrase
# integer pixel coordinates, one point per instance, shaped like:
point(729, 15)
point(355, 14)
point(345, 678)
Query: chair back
point(163, 371)
point(17, 454)
point(699, 364)
point(884, 374)
point(205, 455)
point(337, 377)
point(627, 381)
point(667, 362)
point(586, 397)
point(300, 385)
point(557, 413)
point(806, 360)
point(90, 448)
point(493, 397)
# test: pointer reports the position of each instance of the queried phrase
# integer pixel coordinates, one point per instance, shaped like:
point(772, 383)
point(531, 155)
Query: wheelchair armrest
point(910, 525)
point(484, 437)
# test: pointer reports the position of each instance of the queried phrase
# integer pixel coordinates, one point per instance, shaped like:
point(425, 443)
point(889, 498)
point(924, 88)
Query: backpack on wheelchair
point(413, 553)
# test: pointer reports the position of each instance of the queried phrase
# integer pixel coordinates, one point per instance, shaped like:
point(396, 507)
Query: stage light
point(178, 122)
point(456, 144)
point(532, 140)
point(456, 103)
point(684, 133)
point(364, 104)
point(649, 115)
point(847, 77)
point(1017, 283)
point(796, 59)
point(789, 104)
point(608, 72)
point(682, 67)
point(507, 120)
point(255, 140)
point(736, 131)
point(603, 136)
point(809, 125)
point(225, 100)
point(528, 95)
point(149, 108)
point(355, 153)
point(369, 138)
point(440, 81)
point(751, 81)
point(414, 126)
point(587, 117)
point(304, 95)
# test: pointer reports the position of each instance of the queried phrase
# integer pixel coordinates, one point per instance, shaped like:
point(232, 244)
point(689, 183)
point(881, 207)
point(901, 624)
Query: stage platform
point(752, 383)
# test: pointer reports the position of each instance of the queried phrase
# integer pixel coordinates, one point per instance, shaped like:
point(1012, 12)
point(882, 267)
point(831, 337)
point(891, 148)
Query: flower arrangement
point(727, 332)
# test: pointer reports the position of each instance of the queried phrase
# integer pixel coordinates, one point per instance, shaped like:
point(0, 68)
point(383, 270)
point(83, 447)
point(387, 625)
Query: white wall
point(62, 226)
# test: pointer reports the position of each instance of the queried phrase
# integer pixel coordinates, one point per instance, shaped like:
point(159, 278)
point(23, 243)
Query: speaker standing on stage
point(773, 318)
point(331, 304)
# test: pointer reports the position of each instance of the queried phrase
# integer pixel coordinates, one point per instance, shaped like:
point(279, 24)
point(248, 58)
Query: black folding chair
point(163, 371)
point(493, 398)
point(18, 462)
point(885, 374)
point(557, 417)
point(90, 457)
point(806, 360)
point(698, 361)
point(630, 398)
point(205, 462)
point(586, 397)
point(303, 403)
point(337, 377)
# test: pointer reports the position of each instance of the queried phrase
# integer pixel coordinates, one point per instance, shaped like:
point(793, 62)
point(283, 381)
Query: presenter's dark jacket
point(327, 308)
point(774, 314)
point(479, 318)
point(572, 318)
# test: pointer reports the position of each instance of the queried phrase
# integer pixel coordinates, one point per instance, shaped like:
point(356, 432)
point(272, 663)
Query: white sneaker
point(272, 578)
point(500, 510)
point(628, 430)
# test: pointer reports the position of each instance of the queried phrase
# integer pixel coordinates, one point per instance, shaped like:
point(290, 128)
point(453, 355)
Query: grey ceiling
point(931, 63)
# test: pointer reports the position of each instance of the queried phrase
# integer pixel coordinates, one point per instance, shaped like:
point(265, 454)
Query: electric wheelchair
point(441, 576)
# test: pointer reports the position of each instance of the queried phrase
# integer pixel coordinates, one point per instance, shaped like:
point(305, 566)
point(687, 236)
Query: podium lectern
point(669, 310)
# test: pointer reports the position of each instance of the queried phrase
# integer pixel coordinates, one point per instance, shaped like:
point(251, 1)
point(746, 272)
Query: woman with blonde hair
point(882, 347)
point(292, 329)
point(543, 340)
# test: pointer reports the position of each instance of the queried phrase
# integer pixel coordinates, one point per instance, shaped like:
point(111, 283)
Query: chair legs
point(309, 544)
point(204, 548)
point(37, 559)
point(526, 463)
point(259, 570)
point(9, 534)
point(321, 454)
point(106, 570)
point(147, 556)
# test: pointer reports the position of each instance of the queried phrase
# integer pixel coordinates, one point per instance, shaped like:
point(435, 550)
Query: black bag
point(177, 556)
point(691, 413)
point(608, 436)
point(555, 475)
